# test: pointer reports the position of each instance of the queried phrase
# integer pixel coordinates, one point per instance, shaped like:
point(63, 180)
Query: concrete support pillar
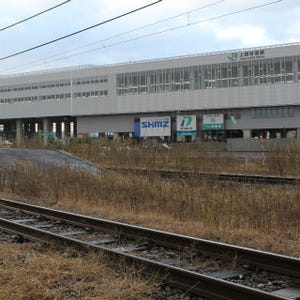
point(247, 133)
point(72, 129)
point(173, 128)
point(19, 131)
point(63, 130)
point(116, 136)
point(45, 128)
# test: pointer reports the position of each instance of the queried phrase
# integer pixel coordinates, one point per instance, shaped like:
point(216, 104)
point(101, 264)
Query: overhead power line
point(141, 27)
point(174, 28)
point(38, 14)
point(45, 60)
point(169, 29)
point(42, 60)
point(79, 31)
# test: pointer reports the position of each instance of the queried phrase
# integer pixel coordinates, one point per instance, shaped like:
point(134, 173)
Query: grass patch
point(34, 272)
point(211, 209)
point(202, 156)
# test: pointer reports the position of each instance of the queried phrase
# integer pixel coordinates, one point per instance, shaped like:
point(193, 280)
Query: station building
point(243, 93)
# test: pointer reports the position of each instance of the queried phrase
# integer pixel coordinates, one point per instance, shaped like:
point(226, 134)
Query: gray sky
point(198, 28)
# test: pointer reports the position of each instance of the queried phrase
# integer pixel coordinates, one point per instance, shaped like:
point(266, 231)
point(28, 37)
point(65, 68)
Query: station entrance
point(25, 129)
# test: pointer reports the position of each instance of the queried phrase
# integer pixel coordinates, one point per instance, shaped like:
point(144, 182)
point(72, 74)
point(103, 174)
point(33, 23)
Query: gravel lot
point(9, 156)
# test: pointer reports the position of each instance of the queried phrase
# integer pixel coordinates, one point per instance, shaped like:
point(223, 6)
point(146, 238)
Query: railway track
point(222, 177)
point(205, 268)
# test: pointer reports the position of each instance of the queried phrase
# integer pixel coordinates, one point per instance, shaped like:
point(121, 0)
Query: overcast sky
point(154, 32)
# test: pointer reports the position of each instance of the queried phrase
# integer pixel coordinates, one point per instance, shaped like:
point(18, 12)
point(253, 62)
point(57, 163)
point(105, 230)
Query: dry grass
point(202, 209)
point(188, 156)
point(33, 272)
point(197, 157)
point(262, 217)
point(285, 162)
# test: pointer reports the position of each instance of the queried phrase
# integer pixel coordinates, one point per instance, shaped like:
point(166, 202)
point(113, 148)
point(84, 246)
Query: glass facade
point(273, 112)
point(223, 75)
point(246, 71)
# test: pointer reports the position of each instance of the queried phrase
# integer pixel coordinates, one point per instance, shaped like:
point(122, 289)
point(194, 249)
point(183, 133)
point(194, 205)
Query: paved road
point(9, 156)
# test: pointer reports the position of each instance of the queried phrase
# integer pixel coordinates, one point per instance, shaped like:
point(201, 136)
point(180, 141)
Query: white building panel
point(155, 126)
point(105, 124)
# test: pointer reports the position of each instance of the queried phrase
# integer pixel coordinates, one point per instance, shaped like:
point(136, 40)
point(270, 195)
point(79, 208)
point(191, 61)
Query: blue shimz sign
point(153, 126)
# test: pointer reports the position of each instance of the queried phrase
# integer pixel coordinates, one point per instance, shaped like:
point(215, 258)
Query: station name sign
point(245, 55)
point(213, 122)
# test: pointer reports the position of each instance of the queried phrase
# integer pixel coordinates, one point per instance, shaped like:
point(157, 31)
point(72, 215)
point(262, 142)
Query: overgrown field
point(205, 156)
point(265, 217)
point(191, 156)
point(258, 216)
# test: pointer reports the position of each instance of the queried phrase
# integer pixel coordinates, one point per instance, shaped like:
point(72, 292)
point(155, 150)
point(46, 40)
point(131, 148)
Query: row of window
point(90, 81)
point(54, 84)
point(237, 73)
point(273, 112)
point(90, 94)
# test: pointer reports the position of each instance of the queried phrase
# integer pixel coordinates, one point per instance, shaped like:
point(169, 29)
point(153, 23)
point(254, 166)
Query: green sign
point(233, 120)
point(48, 134)
point(186, 125)
point(187, 133)
point(213, 122)
point(212, 126)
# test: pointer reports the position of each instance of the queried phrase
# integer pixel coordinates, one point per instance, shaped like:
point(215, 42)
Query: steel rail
point(242, 178)
point(264, 260)
point(187, 280)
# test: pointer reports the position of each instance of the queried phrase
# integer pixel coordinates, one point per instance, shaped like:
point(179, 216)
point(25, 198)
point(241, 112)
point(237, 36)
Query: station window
point(273, 112)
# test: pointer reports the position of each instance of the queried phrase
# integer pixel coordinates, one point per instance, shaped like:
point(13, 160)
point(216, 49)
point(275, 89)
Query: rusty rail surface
point(222, 177)
point(197, 283)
